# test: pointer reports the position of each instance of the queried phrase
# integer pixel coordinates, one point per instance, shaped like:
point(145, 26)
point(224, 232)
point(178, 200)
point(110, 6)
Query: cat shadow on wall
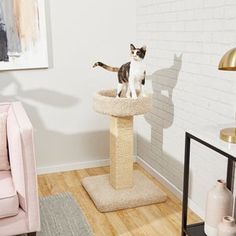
point(161, 118)
point(53, 147)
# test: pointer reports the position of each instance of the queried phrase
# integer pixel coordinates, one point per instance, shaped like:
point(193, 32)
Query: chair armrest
point(22, 161)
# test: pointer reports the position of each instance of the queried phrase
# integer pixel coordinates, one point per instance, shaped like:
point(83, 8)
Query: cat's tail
point(106, 67)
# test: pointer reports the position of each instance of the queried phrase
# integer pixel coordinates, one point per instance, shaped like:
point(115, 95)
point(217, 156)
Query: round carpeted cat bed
point(105, 102)
point(123, 187)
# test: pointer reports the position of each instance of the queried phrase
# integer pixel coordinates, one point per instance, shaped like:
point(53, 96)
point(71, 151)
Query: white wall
point(189, 91)
point(59, 100)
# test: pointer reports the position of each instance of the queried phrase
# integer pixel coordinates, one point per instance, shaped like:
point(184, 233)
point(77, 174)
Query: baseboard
point(72, 166)
point(192, 205)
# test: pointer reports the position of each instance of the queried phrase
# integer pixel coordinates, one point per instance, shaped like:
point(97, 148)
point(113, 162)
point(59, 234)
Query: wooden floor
point(159, 219)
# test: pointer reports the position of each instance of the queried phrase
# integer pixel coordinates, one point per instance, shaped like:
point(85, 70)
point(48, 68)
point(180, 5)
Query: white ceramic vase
point(227, 227)
point(219, 204)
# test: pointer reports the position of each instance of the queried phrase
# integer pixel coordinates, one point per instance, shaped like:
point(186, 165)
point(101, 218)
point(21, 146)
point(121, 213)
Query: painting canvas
point(23, 40)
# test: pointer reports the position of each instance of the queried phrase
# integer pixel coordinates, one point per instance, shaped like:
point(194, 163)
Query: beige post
point(121, 152)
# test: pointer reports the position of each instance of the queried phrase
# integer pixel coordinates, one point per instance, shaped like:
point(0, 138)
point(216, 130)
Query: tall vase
point(227, 227)
point(219, 204)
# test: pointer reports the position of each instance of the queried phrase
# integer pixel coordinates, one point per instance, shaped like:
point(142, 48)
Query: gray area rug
point(62, 216)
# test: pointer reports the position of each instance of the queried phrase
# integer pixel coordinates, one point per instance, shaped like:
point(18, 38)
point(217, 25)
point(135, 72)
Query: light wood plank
point(157, 219)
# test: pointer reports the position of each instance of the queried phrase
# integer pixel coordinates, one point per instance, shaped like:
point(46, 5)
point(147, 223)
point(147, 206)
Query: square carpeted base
point(106, 198)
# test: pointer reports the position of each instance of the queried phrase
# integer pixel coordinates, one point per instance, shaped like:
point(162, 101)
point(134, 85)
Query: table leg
point(186, 184)
point(230, 174)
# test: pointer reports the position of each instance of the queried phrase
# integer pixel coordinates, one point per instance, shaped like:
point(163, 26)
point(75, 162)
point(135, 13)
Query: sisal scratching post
point(123, 187)
point(121, 152)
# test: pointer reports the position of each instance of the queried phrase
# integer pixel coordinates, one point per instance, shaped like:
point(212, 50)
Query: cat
point(130, 73)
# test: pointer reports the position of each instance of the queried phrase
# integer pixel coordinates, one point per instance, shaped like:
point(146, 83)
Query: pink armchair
point(19, 206)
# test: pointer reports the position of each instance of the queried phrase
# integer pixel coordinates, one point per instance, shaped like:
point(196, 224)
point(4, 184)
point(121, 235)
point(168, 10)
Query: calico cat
point(130, 72)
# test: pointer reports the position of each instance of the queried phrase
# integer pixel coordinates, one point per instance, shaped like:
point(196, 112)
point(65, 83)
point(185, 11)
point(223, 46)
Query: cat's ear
point(144, 47)
point(132, 47)
point(178, 57)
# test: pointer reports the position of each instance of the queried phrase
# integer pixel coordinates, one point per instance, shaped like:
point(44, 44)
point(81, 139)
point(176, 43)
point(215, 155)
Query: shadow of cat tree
point(160, 119)
point(51, 144)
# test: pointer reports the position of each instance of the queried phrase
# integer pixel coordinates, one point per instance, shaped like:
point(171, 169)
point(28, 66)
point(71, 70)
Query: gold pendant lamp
point(228, 62)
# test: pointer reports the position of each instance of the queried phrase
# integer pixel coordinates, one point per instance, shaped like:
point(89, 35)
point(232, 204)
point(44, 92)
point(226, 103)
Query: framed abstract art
point(23, 37)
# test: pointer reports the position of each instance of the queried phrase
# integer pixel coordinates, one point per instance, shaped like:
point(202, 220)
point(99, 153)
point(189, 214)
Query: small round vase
point(219, 204)
point(227, 227)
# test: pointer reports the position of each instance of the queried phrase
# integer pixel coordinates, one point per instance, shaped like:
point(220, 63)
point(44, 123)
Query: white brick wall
point(188, 90)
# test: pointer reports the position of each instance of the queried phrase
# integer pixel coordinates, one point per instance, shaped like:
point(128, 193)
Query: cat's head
point(137, 54)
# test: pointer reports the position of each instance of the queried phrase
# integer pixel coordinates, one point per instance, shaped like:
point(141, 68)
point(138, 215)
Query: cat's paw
point(134, 97)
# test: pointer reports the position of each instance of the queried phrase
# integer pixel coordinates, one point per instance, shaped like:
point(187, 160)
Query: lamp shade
point(228, 61)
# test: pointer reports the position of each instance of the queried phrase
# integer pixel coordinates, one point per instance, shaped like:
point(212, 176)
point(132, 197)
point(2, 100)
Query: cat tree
point(123, 187)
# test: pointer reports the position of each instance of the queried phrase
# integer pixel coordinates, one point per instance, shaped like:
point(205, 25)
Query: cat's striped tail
point(106, 67)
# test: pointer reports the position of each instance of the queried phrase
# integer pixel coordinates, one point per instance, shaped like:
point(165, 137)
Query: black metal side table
point(210, 139)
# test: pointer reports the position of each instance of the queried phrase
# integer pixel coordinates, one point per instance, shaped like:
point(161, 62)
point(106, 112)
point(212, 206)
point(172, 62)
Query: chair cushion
point(4, 163)
point(9, 203)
